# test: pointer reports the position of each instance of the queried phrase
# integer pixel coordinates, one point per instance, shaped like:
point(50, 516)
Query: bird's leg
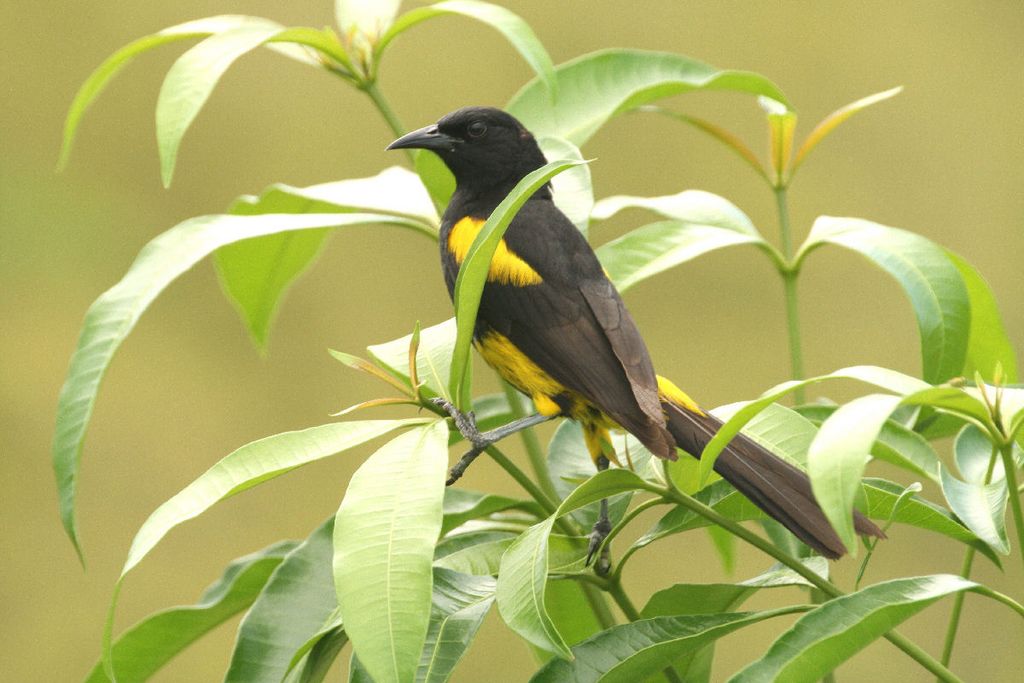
point(466, 424)
point(602, 527)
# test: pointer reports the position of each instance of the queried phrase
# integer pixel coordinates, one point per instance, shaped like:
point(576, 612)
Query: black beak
point(428, 137)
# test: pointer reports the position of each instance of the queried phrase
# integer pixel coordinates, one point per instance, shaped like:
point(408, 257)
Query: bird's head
point(486, 148)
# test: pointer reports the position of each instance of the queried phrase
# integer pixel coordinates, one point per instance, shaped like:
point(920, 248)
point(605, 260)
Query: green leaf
point(569, 462)
point(145, 647)
point(896, 444)
point(461, 505)
point(599, 85)
point(191, 80)
point(114, 314)
point(516, 31)
point(362, 20)
point(469, 285)
point(981, 507)
point(570, 611)
point(460, 603)
point(256, 274)
point(250, 466)
point(702, 222)
point(838, 455)
point(479, 559)
point(924, 271)
point(384, 537)
point(433, 357)
point(573, 190)
point(826, 637)
point(292, 608)
point(436, 177)
point(976, 457)
point(332, 628)
point(881, 377)
point(321, 657)
point(988, 345)
point(634, 651)
point(716, 598)
point(98, 79)
point(957, 401)
point(832, 121)
point(781, 126)
point(522, 579)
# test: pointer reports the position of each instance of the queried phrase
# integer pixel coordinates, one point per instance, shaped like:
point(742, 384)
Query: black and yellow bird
point(553, 325)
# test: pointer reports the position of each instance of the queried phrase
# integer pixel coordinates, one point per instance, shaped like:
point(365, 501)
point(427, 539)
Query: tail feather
point(771, 483)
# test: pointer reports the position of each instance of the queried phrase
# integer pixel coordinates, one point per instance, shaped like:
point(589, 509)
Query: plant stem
point(533, 448)
point(958, 603)
point(615, 589)
point(522, 479)
point(789, 277)
point(598, 605)
point(371, 89)
point(827, 587)
point(1006, 450)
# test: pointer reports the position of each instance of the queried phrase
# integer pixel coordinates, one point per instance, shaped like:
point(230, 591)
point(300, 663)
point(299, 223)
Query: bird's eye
point(476, 129)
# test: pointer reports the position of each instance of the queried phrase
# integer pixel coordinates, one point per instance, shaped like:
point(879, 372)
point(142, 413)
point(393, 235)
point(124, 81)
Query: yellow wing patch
point(668, 391)
point(506, 267)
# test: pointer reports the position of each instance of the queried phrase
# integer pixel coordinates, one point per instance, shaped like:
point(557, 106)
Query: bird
point(553, 325)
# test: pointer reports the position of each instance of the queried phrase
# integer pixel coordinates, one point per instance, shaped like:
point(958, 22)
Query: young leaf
point(838, 455)
point(572, 190)
point(256, 273)
point(360, 20)
point(469, 285)
point(290, 610)
point(599, 85)
point(988, 345)
point(781, 124)
point(433, 357)
point(250, 466)
point(384, 537)
point(516, 31)
point(931, 281)
point(460, 603)
point(832, 121)
point(145, 647)
point(826, 637)
point(705, 222)
point(635, 651)
point(727, 138)
point(200, 28)
point(191, 80)
point(114, 314)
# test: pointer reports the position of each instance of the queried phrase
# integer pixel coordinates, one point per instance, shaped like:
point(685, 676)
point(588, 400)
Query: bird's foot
point(602, 527)
point(465, 422)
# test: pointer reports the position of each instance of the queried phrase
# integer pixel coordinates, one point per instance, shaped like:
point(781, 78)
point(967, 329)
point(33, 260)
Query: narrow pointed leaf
point(781, 125)
point(988, 345)
point(572, 190)
point(144, 648)
point(469, 285)
point(256, 274)
point(98, 79)
point(384, 537)
point(191, 80)
point(599, 85)
point(632, 652)
point(516, 31)
point(433, 357)
point(460, 603)
point(828, 636)
point(114, 314)
point(832, 121)
point(730, 140)
point(291, 609)
point(838, 455)
point(924, 271)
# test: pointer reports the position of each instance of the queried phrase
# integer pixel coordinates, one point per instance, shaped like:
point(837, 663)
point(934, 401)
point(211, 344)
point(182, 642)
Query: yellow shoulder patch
point(668, 391)
point(506, 267)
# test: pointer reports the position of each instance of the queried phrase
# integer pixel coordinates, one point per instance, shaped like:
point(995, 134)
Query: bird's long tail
point(775, 486)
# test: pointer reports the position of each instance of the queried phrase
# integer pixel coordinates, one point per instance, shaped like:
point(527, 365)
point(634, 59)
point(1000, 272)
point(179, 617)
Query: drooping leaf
point(190, 82)
point(317, 663)
point(700, 222)
point(599, 85)
point(569, 463)
point(988, 345)
point(291, 609)
point(982, 507)
point(829, 635)
point(257, 273)
point(384, 537)
point(832, 121)
point(114, 314)
point(332, 628)
point(469, 285)
point(634, 651)
point(459, 605)
point(250, 466)
point(924, 271)
point(200, 28)
point(145, 647)
point(572, 190)
point(516, 31)
point(838, 455)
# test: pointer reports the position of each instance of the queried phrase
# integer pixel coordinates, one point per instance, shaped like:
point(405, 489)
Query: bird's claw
point(465, 422)
point(600, 531)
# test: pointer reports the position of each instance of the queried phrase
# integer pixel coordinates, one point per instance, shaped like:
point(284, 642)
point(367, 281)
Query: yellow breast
point(506, 267)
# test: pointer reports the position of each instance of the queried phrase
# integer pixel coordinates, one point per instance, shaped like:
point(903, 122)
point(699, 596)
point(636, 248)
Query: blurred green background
point(945, 159)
